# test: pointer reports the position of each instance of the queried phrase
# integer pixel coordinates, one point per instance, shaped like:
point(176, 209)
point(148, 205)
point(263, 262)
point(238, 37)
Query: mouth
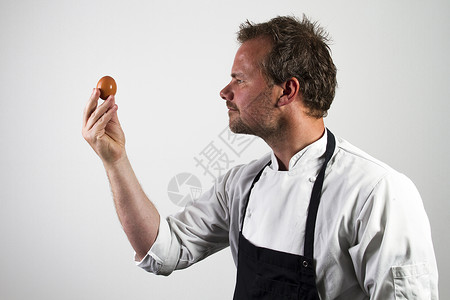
point(231, 107)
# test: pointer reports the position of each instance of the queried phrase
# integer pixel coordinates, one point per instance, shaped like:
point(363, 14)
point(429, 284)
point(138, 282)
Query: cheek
point(244, 99)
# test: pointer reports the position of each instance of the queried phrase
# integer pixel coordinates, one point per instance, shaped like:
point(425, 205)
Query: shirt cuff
point(154, 259)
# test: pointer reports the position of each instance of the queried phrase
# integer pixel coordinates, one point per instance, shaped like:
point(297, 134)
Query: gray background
point(59, 235)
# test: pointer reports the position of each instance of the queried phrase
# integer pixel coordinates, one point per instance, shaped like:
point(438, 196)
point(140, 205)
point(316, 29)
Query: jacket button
point(305, 263)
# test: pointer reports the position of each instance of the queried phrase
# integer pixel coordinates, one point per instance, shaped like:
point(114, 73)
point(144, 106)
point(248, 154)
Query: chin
point(239, 128)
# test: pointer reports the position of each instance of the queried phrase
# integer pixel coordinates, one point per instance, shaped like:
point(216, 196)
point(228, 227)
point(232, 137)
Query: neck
point(295, 138)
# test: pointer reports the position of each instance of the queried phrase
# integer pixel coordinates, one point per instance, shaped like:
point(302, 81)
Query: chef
point(316, 218)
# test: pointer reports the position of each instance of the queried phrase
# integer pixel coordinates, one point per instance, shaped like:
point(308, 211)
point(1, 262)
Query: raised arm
point(137, 214)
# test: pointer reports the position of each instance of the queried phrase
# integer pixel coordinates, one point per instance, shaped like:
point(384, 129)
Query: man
point(316, 218)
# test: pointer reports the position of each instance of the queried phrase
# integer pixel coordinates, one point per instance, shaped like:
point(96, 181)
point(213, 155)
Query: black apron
point(269, 274)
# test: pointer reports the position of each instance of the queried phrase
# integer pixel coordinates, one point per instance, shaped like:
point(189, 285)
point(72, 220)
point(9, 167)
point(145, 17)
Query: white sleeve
point(394, 256)
point(157, 254)
point(189, 236)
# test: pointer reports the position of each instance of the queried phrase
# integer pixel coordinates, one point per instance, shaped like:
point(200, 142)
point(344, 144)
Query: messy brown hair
point(299, 50)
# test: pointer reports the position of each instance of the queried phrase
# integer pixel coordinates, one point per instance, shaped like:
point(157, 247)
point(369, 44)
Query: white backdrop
point(59, 235)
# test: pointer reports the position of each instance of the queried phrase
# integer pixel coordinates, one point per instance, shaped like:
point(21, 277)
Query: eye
point(238, 78)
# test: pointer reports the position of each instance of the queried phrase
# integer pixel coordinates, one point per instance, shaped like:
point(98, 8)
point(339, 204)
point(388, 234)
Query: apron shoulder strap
point(249, 192)
point(315, 198)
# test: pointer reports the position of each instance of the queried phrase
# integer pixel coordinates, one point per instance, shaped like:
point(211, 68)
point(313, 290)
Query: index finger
point(91, 105)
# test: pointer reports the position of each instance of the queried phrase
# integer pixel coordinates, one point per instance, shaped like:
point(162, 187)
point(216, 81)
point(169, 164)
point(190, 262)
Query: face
point(250, 99)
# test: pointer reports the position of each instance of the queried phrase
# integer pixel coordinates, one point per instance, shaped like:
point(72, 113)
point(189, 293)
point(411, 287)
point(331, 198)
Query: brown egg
point(107, 87)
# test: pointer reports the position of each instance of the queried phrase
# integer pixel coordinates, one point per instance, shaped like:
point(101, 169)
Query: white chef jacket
point(372, 237)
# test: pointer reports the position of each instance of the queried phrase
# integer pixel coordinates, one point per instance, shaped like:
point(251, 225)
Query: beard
point(239, 127)
point(257, 118)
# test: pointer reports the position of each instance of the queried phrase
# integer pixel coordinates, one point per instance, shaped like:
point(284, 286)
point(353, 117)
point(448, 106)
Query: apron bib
point(269, 274)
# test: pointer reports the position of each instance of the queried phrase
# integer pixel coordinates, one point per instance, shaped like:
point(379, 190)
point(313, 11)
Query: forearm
point(137, 214)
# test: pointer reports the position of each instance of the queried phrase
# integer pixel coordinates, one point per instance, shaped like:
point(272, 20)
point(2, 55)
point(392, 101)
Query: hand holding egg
point(101, 127)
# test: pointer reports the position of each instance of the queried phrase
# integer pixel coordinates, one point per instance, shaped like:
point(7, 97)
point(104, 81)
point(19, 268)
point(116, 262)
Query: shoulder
point(237, 181)
point(245, 172)
point(351, 165)
point(350, 158)
point(347, 153)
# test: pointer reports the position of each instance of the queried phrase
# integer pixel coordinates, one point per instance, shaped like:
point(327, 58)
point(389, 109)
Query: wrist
point(117, 164)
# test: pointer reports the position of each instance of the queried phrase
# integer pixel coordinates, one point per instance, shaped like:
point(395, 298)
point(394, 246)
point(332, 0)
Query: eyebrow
point(234, 75)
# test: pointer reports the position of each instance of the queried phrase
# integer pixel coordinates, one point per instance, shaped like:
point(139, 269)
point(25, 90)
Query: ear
point(291, 89)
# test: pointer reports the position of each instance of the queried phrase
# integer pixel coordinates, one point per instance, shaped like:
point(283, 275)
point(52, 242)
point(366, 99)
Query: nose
point(226, 93)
